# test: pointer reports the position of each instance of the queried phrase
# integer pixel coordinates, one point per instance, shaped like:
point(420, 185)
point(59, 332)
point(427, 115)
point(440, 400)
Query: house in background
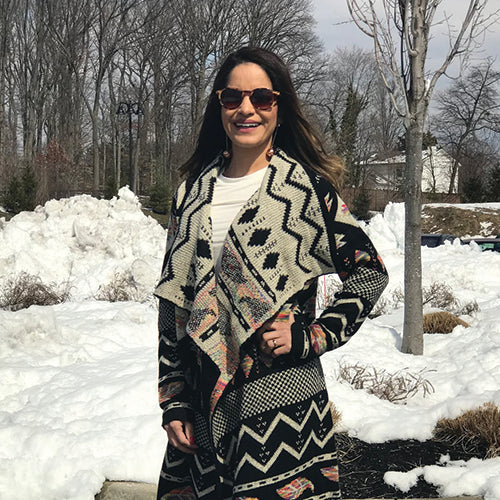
point(388, 173)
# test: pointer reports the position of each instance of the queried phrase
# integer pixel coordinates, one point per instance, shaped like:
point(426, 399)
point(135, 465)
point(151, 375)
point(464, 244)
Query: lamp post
point(130, 108)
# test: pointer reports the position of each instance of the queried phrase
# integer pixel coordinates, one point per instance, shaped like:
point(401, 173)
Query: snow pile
point(78, 397)
point(84, 242)
point(473, 477)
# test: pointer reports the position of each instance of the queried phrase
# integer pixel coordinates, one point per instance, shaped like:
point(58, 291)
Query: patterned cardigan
point(292, 230)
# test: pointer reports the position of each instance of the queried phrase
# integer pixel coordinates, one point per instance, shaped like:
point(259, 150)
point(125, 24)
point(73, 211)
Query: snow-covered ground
point(78, 391)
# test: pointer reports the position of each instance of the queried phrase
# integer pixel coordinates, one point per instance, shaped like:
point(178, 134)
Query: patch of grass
point(460, 221)
point(441, 322)
point(479, 425)
point(394, 387)
point(25, 290)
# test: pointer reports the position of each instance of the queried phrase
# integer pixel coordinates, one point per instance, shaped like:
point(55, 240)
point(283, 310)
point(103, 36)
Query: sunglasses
point(260, 98)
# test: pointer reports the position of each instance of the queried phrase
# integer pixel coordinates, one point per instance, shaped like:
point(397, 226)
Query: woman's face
point(247, 127)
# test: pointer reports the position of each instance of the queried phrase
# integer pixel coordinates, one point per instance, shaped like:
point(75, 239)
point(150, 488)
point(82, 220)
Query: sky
point(336, 29)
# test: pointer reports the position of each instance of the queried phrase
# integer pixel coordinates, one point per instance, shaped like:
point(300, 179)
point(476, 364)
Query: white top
point(230, 194)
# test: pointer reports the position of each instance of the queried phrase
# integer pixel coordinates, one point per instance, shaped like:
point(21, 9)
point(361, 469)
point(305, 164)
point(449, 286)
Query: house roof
point(437, 154)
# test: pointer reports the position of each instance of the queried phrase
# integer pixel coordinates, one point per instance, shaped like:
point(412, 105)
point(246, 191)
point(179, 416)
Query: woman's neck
point(244, 162)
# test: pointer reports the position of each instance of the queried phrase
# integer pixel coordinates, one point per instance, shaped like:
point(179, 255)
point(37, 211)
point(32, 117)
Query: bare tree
point(7, 123)
point(66, 64)
point(355, 111)
point(401, 31)
point(32, 75)
point(384, 122)
point(287, 28)
point(467, 110)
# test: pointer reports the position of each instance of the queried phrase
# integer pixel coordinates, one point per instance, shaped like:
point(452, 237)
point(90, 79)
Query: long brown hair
point(295, 136)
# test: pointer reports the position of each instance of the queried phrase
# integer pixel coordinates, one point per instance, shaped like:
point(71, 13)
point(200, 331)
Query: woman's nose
point(246, 105)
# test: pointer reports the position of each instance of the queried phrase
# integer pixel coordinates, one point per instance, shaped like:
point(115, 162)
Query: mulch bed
point(362, 465)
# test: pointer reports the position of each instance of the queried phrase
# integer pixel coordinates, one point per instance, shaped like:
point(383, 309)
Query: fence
point(379, 198)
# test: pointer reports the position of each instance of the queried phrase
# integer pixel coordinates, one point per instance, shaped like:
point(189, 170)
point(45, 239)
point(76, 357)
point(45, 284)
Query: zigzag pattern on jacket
point(303, 214)
point(264, 429)
point(287, 216)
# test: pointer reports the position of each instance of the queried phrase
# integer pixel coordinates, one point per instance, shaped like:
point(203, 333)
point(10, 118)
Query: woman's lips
point(246, 126)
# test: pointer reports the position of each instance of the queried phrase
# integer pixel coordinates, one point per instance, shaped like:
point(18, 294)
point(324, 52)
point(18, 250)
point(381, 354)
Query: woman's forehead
point(248, 76)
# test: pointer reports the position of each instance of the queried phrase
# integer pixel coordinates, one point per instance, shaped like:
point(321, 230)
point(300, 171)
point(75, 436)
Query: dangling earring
point(226, 153)
point(270, 151)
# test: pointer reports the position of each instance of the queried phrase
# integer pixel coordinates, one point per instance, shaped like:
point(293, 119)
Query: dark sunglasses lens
point(231, 98)
point(262, 98)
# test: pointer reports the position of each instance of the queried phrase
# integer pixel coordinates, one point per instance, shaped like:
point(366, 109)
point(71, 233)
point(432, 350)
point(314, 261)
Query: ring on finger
point(274, 344)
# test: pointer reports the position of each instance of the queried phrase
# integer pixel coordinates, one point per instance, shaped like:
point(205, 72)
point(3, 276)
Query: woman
point(255, 224)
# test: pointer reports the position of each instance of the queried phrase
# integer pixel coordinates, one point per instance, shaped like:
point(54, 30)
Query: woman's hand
point(181, 436)
point(276, 337)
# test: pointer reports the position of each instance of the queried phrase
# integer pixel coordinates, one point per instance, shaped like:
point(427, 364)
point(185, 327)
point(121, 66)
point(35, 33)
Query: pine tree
point(21, 192)
point(494, 185)
point(12, 195)
point(160, 196)
point(29, 188)
point(349, 132)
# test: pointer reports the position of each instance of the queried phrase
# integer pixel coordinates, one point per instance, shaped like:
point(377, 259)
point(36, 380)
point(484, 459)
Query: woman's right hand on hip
point(181, 436)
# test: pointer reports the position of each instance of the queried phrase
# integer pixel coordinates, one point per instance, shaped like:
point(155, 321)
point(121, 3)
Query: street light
point(130, 108)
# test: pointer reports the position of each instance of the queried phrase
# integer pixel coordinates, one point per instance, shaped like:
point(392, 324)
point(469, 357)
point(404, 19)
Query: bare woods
point(66, 65)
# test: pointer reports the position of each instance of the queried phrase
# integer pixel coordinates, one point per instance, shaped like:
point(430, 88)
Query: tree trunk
point(413, 314)
point(417, 99)
point(95, 156)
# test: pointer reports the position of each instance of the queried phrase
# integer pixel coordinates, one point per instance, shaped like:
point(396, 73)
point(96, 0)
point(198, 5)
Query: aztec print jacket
point(292, 230)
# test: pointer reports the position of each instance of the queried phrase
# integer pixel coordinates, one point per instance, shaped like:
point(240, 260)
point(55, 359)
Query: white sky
point(336, 29)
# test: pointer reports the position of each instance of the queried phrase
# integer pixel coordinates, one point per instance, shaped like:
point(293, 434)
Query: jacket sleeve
point(363, 277)
point(173, 392)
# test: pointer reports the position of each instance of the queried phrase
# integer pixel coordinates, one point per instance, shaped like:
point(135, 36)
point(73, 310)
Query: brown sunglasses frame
point(249, 94)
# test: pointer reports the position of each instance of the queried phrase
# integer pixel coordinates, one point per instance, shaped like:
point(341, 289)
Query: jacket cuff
point(301, 342)
point(182, 413)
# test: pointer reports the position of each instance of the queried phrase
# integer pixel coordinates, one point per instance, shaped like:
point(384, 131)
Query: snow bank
point(78, 399)
point(85, 242)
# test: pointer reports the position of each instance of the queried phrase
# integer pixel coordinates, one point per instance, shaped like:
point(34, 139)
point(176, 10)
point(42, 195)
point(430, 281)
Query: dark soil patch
point(460, 221)
point(363, 465)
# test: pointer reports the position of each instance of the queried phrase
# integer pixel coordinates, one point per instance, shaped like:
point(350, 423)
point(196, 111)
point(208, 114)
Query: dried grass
point(459, 221)
point(480, 424)
point(121, 288)
point(394, 387)
point(437, 295)
point(468, 309)
point(25, 290)
point(442, 322)
point(336, 415)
